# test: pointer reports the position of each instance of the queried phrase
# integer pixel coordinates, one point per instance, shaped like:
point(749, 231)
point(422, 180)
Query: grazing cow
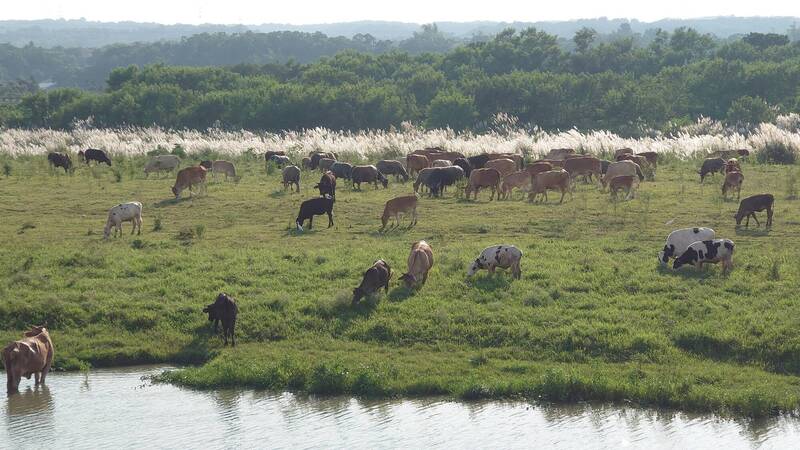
point(520, 180)
point(651, 157)
point(60, 160)
point(405, 205)
point(392, 167)
point(478, 161)
point(450, 156)
point(124, 212)
point(451, 175)
point(340, 169)
point(305, 163)
point(270, 153)
point(161, 163)
point(708, 251)
point(464, 164)
point(559, 153)
point(641, 161)
point(679, 240)
point(374, 278)
point(327, 185)
point(441, 163)
point(732, 165)
point(604, 163)
point(316, 156)
point(502, 256)
point(512, 156)
point(618, 168)
point(553, 162)
point(733, 180)
point(538, 167)
point(280, 160)
point(225, 310)
point(315, 207)
point(627, 183)
point(550, 181)
point(368, 174)
point(220, 166)
point(711, 166)
point(480, 178)
point(434, 181)
point(291, 176)
point(420, 261)
point(325, 164)
point(93, 154)
point(585, 166)
point(503, 165)
point(753, 204)
point(422, 177)
point(429, 151)
point(189, 177)
point(415, 163)
point(32, 355)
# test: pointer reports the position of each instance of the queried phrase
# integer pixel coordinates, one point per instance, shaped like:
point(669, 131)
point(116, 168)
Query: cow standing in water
point(32, 355)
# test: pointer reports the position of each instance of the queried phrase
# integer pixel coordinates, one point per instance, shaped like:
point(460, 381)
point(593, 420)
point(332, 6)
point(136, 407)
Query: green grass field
point(594, 317)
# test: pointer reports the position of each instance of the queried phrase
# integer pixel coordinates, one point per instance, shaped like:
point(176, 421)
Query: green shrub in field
point(157, 226)
point(6, 169)
point(776, 152)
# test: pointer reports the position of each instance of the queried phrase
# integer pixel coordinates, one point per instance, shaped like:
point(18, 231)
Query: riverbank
point(593, 317)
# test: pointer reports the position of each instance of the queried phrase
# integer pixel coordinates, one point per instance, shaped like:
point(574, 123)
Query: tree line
point(619, 85)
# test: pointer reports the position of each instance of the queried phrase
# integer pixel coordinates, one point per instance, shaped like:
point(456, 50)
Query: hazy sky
point(421, 11)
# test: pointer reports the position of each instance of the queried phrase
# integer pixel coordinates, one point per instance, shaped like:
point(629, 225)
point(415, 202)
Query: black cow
point(479, 161)
point(711, 166)
point(224, 309)
point(60, 160)
point(342, 170)
point(93, 154)
point(374, 278)
point(464, 164)
point(315, 207)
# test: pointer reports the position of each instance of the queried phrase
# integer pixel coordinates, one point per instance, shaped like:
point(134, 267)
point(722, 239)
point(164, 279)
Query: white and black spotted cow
point(502, 256)
point(679, 240)
point(124, 212)
point(709, 251)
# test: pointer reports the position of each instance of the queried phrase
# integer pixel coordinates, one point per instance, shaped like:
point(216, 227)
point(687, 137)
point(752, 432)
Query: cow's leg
point(311, 222)
point(414, 216)
point(769, 217)
point(330, 219)
point(758, 224)
point(36, 378)
point(516, 272)
point(563, 192)
point(46, 369)
point(216, 325)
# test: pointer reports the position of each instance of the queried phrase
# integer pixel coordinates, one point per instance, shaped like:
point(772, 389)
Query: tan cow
point(503, 165)
point(481, 178)
point(162, 163)
point(550, 181)
point(628, 183)
point(291, 176)
point(733, 180)
point(559, 153)
point(406, 204)
point(512, 156)
point(189, 177)
point(415, 163)
point(420, 261)
point(538, 167)
point(32, 355)
point(583, 166)
point(621, 168)
point(222, 166)
point(623, 151)
point(520, 180)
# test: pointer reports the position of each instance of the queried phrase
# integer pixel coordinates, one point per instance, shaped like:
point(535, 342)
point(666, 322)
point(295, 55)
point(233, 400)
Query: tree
point(451, 109)
point(583, 39)
point(765, 40)
point(750, 111)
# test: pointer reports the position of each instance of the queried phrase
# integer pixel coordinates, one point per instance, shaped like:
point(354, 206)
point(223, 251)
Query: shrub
point(199, 230)
point(776, 152)
point(157, 224)
point(178, 151)
point(791, 186)
point(6, 169)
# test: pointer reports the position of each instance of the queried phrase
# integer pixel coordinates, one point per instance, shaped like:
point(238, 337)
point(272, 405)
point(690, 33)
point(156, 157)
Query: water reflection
point(116, 408)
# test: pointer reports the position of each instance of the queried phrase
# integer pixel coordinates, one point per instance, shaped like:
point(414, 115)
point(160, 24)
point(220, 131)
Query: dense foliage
point(616, 85)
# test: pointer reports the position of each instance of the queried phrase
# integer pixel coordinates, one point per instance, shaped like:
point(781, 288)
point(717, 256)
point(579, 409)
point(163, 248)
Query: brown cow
point(520, 180)
point(394, 207)
point(753, 204)
point(374, 278)
point(732, 165)
point(623, 151)
point(189, 177)
point(586, 166)
point(623, 182)
point(651, 157)
point(420, 261)
point(559, 153)
point(553, 162)
point(551, 180)
point(503, 165)
point(733, 180)
point(512, 156)
point(32, 355)
point(538, 167)
point(480, 178)
point(305, 163)
point(441, 163)
point(367, 174)
point(415, 163)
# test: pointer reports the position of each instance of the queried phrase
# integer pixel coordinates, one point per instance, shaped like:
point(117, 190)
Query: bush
point(776, 152)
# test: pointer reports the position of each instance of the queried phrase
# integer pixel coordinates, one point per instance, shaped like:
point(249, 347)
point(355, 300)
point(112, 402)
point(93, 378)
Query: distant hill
point(88, 34)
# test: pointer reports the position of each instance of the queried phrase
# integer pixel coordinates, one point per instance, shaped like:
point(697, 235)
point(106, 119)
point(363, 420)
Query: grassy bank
point(593, 316)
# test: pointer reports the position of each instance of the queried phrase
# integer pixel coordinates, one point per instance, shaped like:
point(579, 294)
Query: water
point(116, 409)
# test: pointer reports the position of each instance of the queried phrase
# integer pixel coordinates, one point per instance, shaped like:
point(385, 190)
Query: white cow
point(618, 168)
point(124, 212)
point(708, 251)
point(222, 166)
point(679, 240)
point(441, 163)
point(502, 256)
point(162, 163)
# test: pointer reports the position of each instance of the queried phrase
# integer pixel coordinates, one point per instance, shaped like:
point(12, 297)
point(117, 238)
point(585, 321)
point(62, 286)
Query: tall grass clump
point(774, 145)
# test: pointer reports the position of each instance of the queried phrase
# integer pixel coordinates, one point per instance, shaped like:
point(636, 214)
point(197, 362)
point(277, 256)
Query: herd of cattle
point(434, 170)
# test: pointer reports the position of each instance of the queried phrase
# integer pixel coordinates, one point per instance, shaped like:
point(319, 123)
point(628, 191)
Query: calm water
point(117, 409)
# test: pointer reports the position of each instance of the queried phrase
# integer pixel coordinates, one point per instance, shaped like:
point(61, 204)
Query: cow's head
point(81, 155)
point(35, 330)
point(211, 310)
point(738, 217)
point(409, 280)
point(688, 257)
point(206, 164)
point(358, 294)
point(384, 181)
point(665, 254)
point(474, 267)
point(175, 191)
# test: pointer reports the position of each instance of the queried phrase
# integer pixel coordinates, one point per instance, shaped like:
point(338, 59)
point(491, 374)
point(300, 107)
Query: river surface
point(118, 408)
